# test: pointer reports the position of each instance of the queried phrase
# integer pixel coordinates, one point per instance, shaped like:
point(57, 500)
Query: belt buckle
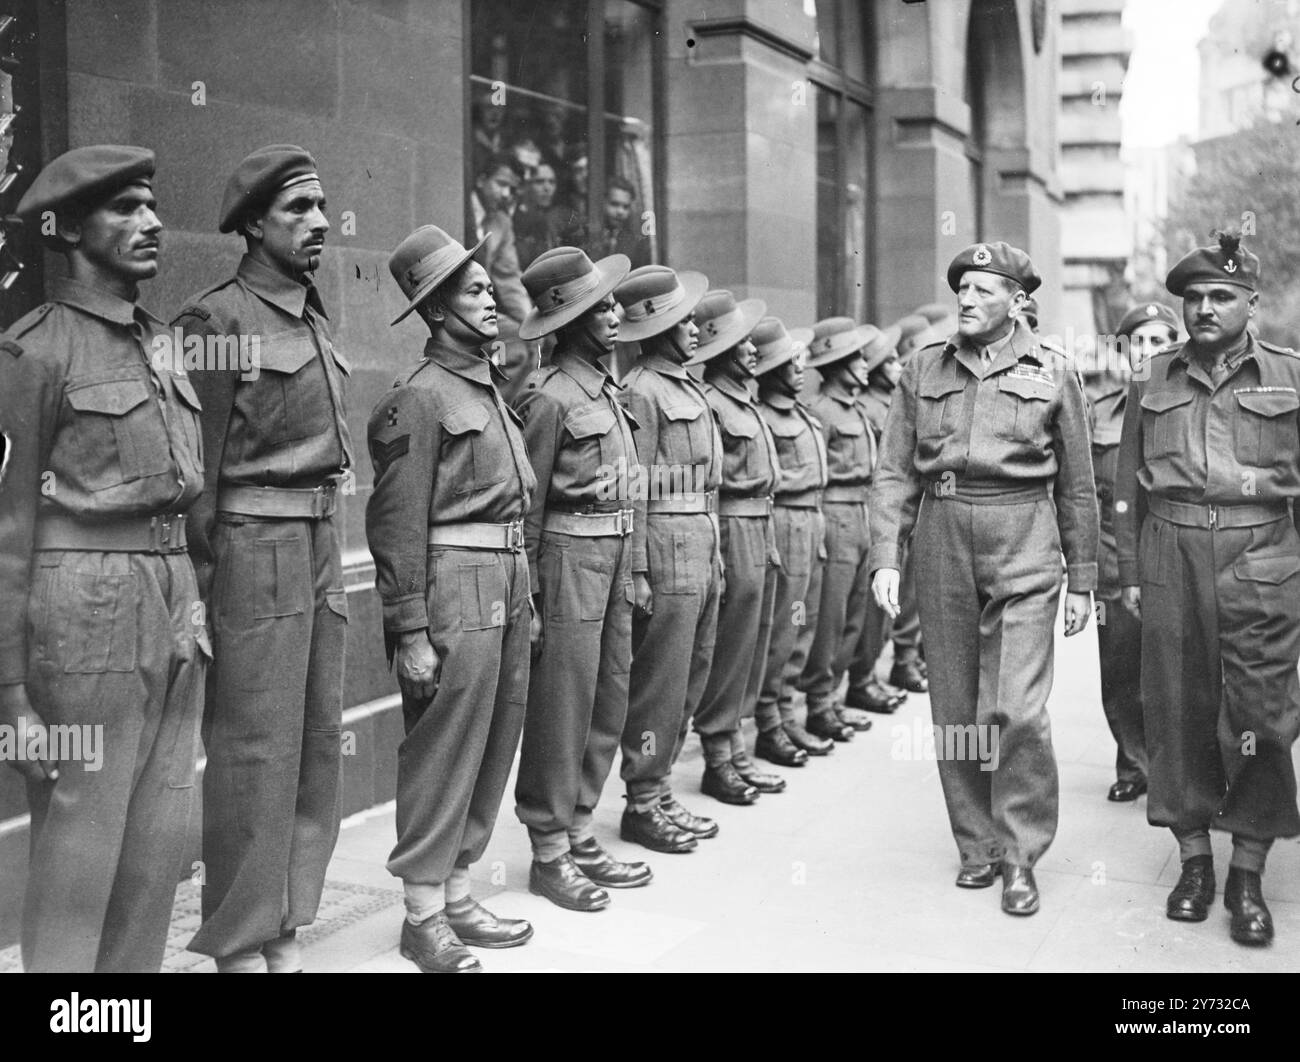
point(322, 501)
point(1214, 515)
point(159, 533)
point(625, 521)
point(515, 535)
point(711, 501)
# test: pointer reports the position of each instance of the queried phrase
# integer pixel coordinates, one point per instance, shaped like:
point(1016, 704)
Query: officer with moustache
point(101, 625)
point(1208, 477)
point(985, 465)
point(267, 551)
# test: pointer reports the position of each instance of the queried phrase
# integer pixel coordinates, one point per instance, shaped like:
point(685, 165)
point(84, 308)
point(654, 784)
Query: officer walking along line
point(982, 429)
point(445, 526)
point(100, 624)
point(1209, 473)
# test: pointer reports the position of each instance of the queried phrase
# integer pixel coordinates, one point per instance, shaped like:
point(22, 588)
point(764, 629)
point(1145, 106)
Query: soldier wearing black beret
point(100, 632)
point(985, 458)
point(266, 547)
point(1209, 469)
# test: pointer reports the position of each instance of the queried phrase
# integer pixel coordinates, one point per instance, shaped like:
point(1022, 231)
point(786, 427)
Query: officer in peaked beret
point(100, 626)
point(266, 547)
point(985, 463)
point(1142, 331)
point(445, 525)
point(1209, 465)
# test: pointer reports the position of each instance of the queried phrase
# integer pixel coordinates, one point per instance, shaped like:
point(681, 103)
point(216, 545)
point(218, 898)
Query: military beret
point(1226, 262)
point(1000, 258)
point(257, 179)
point(85, 174)
point(1144, 313)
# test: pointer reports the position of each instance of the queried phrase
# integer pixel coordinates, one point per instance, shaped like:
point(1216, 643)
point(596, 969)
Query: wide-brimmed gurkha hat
point(882, 345)
point(654, 298)
point(724, 322)
point(1145, 313)
point(424, 261)
point(564, 284)
point(775, 345)
point(83, 175)
point(836, 338)
point(1000, 258)
point(257, 179)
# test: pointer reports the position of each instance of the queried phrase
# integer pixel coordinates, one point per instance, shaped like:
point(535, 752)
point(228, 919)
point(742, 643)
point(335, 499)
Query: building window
point(570, 89)
point(842, 73)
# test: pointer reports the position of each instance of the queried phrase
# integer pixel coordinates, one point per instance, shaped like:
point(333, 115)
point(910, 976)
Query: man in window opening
point(495, 186)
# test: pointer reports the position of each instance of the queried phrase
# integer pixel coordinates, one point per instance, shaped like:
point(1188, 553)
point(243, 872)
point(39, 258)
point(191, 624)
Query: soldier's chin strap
point(477, 331)
point(682, 356)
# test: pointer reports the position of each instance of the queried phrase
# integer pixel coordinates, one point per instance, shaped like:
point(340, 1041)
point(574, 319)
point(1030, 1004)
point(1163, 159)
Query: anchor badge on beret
point(981, 255)
point(1230, 266)
point(1152, 311)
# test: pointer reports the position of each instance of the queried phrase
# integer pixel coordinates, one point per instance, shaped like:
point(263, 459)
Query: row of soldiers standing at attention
point(592, 569)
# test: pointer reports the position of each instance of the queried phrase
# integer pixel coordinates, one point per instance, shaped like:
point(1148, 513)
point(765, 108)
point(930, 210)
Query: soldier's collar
point(474, 365)
point(777, 400)
point(1237, 353)
point(660, 364)
point(101, 303)
point(591, 378)
point(274, 287)
point(732, 389)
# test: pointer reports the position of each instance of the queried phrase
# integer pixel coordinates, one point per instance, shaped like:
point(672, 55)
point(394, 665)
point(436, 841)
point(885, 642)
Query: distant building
point(1096, 237)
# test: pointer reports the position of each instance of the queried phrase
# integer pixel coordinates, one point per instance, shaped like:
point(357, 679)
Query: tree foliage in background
point(1249, 181)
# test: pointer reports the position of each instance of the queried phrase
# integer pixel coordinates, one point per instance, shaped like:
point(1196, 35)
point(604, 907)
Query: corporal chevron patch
point(385, 453)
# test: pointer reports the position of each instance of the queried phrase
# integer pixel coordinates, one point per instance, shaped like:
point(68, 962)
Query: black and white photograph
point(652, 486)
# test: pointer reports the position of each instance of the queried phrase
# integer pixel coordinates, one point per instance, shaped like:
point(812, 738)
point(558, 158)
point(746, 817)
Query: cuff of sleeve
point(1128, 571)
point(1081, 578)
point(640, 563)
point(405, 614)
point(885, 555)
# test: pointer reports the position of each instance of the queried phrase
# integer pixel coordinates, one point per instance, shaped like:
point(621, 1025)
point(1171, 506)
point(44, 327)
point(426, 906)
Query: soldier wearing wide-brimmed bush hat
point(675, 557)
point(580, 442)
point(749, 477)
point(452, 484)
point(837, 351)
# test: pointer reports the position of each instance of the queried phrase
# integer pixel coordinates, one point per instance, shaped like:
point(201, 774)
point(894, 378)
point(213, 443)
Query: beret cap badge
point(982, 256)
